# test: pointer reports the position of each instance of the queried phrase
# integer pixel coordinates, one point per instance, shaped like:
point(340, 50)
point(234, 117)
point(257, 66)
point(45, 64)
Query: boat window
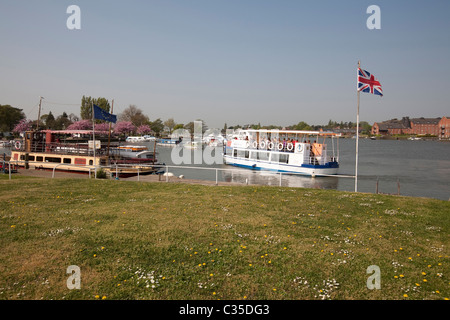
point(254, 155)
point(274, 157)
point(31, 158)
point(234, 153)
point(283, 158)
point(264, 155)
point(91, 162)
point(247, 154)
point(67, 160)
point(241, 153)
point(53, 159)
point(39, 159)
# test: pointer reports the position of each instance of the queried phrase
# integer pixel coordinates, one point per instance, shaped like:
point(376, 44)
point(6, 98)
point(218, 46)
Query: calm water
point(422, 169)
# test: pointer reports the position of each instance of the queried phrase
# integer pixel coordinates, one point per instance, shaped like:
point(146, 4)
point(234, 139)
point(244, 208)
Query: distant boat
point(139, 139)
point(373, 138)
point(168, 142)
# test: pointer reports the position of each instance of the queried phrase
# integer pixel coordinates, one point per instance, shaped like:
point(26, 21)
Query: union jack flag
point(368, 83)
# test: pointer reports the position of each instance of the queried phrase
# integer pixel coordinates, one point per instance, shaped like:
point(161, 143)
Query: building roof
point(394, 124)
point(425, 120)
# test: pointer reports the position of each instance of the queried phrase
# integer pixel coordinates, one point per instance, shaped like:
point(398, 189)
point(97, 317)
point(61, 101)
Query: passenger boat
point(140, 139)
point(74, 151)
point(132, 154)
point(290, 151)
point(168, 142)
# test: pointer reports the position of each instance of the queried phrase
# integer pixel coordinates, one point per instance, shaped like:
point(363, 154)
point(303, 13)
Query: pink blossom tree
point(144, 129)
point(102, 126)
point(81, 125)
point(22, 126)
point(124, 127)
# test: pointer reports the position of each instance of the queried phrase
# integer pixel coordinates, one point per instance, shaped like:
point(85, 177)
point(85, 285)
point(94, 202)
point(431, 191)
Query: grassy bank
point(177, 241)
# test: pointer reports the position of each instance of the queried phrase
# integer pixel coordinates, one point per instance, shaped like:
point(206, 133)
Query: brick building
point(417, 126)
point(424, 126)
point(444, 128)
point(393, 126)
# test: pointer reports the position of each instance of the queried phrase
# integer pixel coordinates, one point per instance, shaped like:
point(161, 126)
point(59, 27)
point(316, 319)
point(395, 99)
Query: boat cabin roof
point(301, 132)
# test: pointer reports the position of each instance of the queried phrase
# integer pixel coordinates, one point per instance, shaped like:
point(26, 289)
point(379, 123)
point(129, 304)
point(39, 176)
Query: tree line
point(133, 121)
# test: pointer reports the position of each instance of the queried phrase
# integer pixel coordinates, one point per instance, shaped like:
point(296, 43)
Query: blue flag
point(101, 114)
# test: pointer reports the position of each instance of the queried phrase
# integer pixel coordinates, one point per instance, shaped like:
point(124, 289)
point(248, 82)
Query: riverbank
point(190, 241)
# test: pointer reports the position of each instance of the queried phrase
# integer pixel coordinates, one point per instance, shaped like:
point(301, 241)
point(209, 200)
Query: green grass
point(210, 242)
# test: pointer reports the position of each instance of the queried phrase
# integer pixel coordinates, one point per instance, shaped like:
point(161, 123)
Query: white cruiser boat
point(290, 151)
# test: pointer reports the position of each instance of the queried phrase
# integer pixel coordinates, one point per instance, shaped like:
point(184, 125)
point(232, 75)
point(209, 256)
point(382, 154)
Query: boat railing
point(66, 148)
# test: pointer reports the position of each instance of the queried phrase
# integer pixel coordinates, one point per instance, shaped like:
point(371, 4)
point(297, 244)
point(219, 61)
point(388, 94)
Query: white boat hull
point(309, 170)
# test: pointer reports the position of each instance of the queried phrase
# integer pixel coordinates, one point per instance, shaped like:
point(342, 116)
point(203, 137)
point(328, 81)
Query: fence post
point(280, 178)
point(376, 189)
point(138, 173)
point(217, 182)
point(9, 173)
point(167, 173)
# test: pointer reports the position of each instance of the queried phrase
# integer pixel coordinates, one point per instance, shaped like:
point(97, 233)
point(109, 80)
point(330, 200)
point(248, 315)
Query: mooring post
point(280, 178)
point(217, 182)
point(167, 173)
point(398, 186)
point(376, 188)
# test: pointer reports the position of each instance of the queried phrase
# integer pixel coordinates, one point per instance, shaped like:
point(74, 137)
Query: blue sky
point(235, 61)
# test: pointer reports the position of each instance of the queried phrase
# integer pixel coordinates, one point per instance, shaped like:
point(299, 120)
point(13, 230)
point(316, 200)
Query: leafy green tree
point(302, 126)
point(86, 106)
point(157, 126)
point(9, 117)
point(50, 121)
point(178, 126)
point(62, 122)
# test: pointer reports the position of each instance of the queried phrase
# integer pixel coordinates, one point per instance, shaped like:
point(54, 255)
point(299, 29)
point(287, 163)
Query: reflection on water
point(273, 179)
point(420, 168)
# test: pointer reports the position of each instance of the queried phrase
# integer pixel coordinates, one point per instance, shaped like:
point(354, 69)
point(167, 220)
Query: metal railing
point(117, 167)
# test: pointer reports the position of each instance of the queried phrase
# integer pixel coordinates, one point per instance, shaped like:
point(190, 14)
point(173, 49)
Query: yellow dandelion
point(405, 295)
point(104, 297)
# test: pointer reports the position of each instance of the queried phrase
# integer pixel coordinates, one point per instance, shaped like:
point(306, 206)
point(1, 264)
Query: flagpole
point(93, 135)
point(109, 133)
point(357, 136)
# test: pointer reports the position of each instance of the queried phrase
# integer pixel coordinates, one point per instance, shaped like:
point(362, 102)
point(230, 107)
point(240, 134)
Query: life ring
point(17, 145)
point(262, 145)
point(280, 146)
point(290, 146)
point(270, 145)
point(255, 144)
